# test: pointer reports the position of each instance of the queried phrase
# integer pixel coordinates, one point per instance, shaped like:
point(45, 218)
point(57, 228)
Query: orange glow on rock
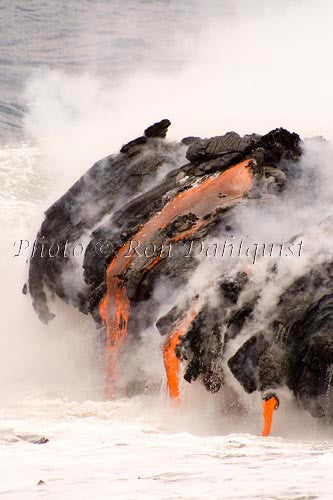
point(217, 191)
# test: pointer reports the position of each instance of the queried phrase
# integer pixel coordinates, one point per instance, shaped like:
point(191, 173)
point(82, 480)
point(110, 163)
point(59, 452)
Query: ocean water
point(107, 38)
point(77, 79)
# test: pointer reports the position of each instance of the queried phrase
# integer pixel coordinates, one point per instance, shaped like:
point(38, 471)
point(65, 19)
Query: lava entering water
point(214, 192)
point(269, 406)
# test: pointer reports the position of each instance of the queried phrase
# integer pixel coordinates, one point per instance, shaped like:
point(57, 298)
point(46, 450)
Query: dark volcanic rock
point(134, 146)
point(159, 129)
point(99, 192)
point(297, 350)
point(187, 141)
point(120, 194)
point(209, 149)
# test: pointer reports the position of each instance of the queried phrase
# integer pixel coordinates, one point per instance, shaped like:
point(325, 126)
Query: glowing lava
point(217, 191)
point(269, 405)
point(171, 362)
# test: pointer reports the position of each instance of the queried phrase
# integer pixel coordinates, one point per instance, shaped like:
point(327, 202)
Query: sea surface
point(77, 79)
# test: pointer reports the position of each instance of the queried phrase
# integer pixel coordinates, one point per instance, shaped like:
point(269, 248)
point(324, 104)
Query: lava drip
point(116, 331)
point(217, 191)
point(269, 404)
point(171, 361)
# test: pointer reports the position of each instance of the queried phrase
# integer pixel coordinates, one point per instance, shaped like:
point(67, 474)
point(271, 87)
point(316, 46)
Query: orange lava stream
point(171, 362)
point(216, 191)
point(269, 406)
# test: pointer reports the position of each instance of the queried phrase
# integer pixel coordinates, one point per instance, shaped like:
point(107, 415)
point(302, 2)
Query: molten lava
point(171, 362)
point(116, 331)
point(269, 405)
point(217, 191)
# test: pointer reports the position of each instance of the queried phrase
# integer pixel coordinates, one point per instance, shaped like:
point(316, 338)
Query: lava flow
point(187, 204)
point(217, 191)
point(171, 362)
point(270, 404)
